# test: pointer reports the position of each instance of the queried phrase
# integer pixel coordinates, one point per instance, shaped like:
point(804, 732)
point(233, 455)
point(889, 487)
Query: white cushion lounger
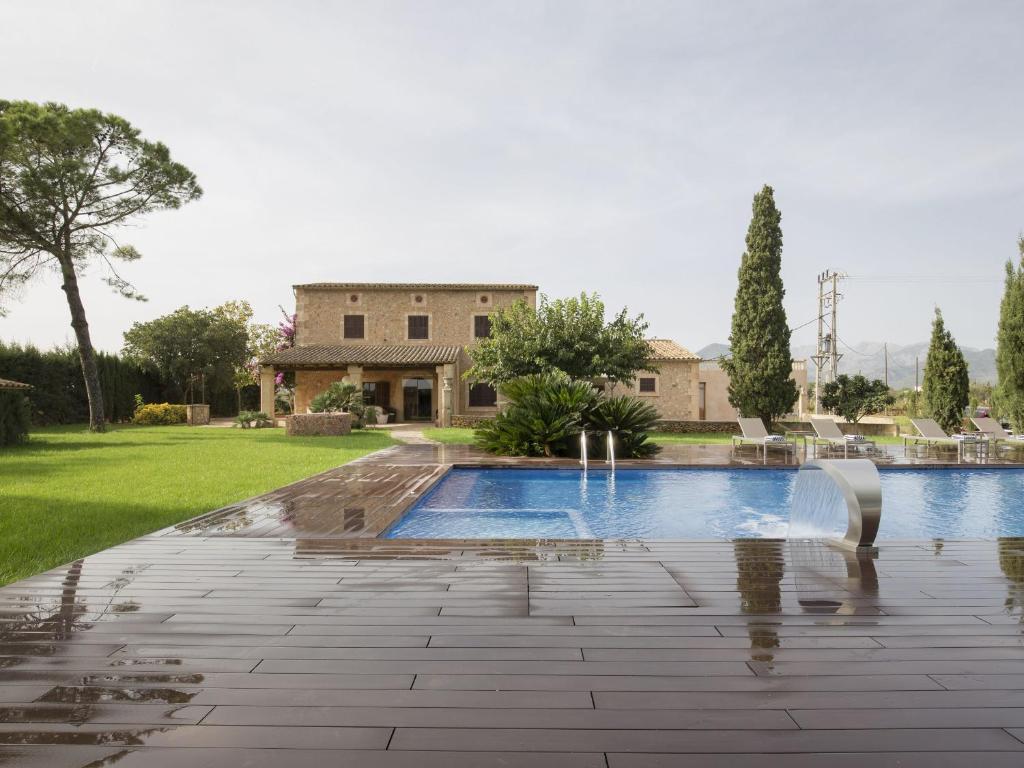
point(930, 433)
point(828, 433)
point(754, 433)
point(995, 434)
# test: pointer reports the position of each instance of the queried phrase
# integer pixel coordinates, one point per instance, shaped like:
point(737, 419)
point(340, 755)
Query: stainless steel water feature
point(858, 482)
point(583, 450)
point(611, 450)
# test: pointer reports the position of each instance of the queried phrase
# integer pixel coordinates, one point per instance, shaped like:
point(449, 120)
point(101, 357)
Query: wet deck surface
point(260, 652)
point(276, 633)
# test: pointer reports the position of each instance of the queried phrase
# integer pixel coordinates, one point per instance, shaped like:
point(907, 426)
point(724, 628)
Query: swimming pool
point(699, 504)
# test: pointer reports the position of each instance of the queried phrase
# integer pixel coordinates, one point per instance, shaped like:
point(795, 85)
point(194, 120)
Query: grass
point(68, 493)
point(450, 435)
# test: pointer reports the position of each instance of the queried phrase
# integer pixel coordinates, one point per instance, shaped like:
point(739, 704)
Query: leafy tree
point(760, 365)
point(190, 345)
point(854, 397)
point(1010, 344)
point(946, 382)
point(68, 179)
point(567, 335)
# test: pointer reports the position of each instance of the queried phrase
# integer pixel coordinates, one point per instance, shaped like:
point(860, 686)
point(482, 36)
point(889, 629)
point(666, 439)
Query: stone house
point(713, 392)
point(405, 345)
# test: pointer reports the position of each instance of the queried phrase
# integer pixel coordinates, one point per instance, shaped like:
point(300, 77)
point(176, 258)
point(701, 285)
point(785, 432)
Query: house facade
point(713, 392)
point(404, 344)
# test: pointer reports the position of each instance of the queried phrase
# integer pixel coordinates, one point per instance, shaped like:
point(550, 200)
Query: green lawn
point(450, 436)
point(68, 493)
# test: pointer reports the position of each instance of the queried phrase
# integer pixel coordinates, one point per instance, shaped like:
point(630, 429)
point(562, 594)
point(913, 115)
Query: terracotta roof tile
point(313, 355)
point(8, 384)
point(666, 349)
point(420, 286)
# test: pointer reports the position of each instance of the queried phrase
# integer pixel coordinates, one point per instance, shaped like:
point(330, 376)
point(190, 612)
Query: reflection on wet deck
point(212, 651)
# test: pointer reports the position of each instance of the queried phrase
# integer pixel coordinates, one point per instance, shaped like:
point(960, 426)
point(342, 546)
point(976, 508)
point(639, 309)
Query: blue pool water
point(700, 504)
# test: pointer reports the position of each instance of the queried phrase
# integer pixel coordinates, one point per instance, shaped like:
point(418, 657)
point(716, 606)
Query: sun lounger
point(827, 433)
point(930, 433)
point(995, 434)
point(754, 433)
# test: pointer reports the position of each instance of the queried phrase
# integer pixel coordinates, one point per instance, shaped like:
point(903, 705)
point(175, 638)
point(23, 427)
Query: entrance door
point(418, 399)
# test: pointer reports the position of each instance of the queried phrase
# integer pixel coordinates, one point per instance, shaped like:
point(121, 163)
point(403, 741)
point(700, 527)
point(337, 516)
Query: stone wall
point(697, 427)
point(467, 420)
point(320, 313)
point(309, 424)
point(716, 390)
point(675, 395)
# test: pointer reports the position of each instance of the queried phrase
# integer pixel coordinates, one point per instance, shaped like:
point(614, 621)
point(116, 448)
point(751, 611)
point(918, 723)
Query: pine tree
point(1010, 344)
point(946, 383)
point(760, 365)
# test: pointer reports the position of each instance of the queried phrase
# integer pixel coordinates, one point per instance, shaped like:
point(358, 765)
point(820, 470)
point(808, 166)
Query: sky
point(582, 146)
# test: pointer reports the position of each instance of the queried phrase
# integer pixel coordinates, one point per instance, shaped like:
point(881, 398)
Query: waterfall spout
point(611, 450)
point(583, 450)
point(830, 492)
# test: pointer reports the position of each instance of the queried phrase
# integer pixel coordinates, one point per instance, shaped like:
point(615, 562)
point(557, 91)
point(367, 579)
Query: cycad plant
point(630, 419)
point(546, 413)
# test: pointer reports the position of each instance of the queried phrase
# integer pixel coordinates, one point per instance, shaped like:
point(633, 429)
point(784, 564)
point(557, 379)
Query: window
point(702, 400)
point(482, 396)
point(648, 385)
point(481, 326)
point(419, 327)
point(377, 393)
point(355, 326)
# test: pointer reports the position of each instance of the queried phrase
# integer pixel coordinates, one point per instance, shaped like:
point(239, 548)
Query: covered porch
point(413, 383)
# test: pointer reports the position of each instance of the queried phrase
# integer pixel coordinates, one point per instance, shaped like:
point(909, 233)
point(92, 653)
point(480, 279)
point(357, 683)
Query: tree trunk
point(90, 371)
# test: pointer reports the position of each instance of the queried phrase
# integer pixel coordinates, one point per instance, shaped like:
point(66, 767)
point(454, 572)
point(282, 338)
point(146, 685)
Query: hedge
point(14, 417)
point(58, 390)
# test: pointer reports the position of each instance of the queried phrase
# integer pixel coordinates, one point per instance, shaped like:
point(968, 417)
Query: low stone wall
point(468, 421)
point(703, 427)
point(868, 430)
point(310, 424)
point(197, 415)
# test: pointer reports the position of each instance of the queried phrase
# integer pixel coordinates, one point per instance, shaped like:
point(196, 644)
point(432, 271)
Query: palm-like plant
point(630, 419)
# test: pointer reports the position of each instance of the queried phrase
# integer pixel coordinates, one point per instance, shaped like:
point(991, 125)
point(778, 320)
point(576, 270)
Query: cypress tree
point(1010, 344)
point(946, 383)
point(761, 364)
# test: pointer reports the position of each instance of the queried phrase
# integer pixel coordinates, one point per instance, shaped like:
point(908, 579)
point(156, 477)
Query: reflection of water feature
point(828, 578)
point(1011, 563)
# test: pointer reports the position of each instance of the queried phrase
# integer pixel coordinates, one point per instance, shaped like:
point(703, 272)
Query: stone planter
point(197, 415)
point(309, 424)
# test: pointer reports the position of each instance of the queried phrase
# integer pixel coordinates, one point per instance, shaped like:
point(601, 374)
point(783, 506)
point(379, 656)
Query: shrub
point(160, 413)
point(340, 396)
point(547, 412)
point(15, 414)
point(630, 419)
point(252, 419)
point(544, 416)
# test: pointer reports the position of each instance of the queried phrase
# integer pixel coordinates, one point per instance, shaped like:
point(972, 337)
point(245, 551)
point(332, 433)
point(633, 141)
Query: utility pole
point(886, 348)
point(826, 359)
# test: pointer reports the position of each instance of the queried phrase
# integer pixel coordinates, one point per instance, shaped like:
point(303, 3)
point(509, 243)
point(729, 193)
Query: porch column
point(446, 402)
point(267, 388)
point(355, 376)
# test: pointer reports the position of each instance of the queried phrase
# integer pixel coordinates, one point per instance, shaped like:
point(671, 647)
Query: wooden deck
point(269, 636)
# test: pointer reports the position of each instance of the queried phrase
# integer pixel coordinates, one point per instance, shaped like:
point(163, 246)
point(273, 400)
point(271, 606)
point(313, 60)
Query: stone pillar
point(446, 375)
point(267, 389)
point(355, 376)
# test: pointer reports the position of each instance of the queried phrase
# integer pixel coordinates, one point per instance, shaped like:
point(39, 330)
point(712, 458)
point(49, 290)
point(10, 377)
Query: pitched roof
point(8, 384)
point(666, 349)
point(420, 286)
point(319, 355)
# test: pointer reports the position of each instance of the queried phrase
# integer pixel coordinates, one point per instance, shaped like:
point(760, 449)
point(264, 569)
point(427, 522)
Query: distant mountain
point(712, 351)
point(868, 359)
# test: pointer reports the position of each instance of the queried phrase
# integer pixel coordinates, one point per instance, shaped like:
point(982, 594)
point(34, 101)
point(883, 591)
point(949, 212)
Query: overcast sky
point(598, 146)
